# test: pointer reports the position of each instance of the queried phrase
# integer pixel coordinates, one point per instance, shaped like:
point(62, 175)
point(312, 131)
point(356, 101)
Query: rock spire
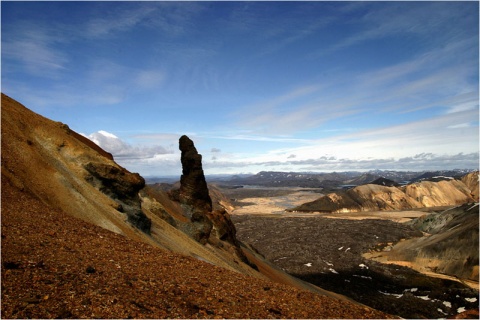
point(208, 224)
point(193, 193)
point(193, 187)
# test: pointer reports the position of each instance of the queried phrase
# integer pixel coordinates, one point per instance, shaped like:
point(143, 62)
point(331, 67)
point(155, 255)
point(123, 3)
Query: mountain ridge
point(374, 197)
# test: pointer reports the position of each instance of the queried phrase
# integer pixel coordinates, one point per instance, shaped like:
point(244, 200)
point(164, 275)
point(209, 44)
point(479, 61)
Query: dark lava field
point(328, 253)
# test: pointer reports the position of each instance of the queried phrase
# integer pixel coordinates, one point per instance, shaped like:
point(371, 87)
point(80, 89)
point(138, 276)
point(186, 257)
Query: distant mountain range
point(332, 180)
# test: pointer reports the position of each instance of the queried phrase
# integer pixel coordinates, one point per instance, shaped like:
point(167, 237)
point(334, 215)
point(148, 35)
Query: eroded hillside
point(68, 172)
point(373, 197)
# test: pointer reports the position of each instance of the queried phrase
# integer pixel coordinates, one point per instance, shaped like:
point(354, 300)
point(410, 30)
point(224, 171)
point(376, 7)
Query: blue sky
point(287, 86)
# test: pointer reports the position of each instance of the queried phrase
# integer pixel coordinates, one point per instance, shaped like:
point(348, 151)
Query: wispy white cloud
point(150, 154)
point(299, 109)
point(460, 125)
point(434, 79)
point(149, 79)
point(47, 51)
point(103, 83)
point(373, 22)
point(247, 137)
point(162, 138)
point(445, 137)
point(116, 82)
point(158, 165)
point(170, 17)
point(430, 135)
point(35, 51)
point(423, 81)
point(117, 20)
point(470, 103)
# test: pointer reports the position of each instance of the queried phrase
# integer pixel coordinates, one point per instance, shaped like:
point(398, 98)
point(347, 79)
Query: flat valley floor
point(330, 251)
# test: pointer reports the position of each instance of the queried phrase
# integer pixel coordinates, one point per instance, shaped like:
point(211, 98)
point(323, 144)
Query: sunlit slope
point(372, 197)
point(52, 162)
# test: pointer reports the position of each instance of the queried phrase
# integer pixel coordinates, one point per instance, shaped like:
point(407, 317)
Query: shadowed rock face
point(223, 226)
point(123, 187)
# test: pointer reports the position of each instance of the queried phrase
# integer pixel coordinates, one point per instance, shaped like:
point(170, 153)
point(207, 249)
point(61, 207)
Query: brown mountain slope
point(55, 266)
point(54, 163)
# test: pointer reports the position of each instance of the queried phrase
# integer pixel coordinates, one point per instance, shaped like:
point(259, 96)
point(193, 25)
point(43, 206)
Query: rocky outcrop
point(123, 187)
point(199, 218)
point(223, 226)
point(373, 197)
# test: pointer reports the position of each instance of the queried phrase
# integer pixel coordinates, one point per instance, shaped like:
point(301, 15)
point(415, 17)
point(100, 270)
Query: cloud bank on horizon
point(288, 86)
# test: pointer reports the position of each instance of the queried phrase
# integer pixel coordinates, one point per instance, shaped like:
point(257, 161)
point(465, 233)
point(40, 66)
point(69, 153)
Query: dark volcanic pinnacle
point(193, 193)
point(193, 189)
point(195, 197)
